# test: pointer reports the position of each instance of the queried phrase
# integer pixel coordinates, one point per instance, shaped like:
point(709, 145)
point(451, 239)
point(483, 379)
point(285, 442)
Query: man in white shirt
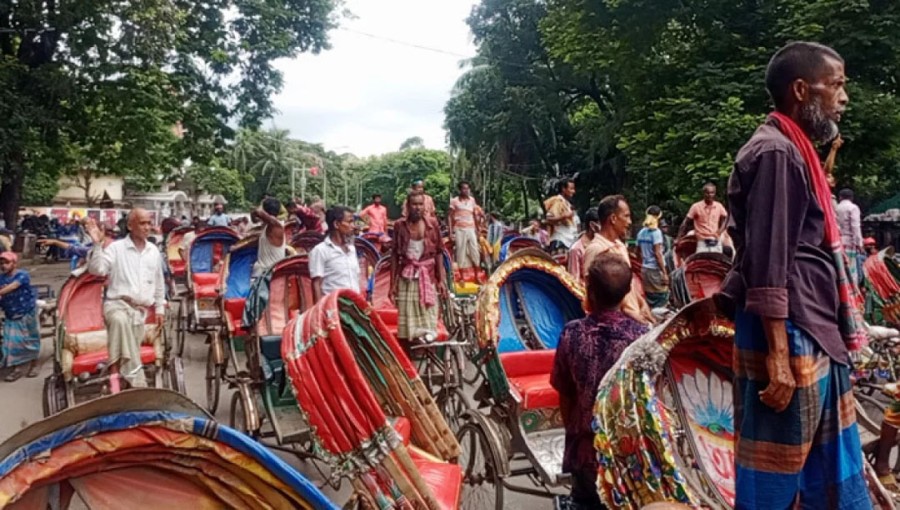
point(133, 267)
point(332, 263)
point(848, 217)
point(218, 217)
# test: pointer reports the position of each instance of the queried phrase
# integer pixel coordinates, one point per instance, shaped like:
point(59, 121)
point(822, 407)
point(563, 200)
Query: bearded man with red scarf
point(796, 311)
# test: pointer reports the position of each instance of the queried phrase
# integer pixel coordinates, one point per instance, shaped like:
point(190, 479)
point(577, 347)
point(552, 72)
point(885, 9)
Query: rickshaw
point(199, 311)
point(263, 395)
point(674, 385)
point(700, 276)
point(521, 312)
point(515, 244)
point(368, 256)
point(371, 417)
point(440, 358)
point(145, 448)
point(224, 345)
point(80, 348)
point(304, 242)
point(177, 265)
point(883, 289)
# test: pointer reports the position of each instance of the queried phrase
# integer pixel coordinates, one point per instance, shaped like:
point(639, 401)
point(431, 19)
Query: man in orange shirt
point(376, 216)
point(707, 218)
point(615, 224)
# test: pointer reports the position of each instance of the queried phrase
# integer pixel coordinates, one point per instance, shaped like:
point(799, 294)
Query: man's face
point(825, 102)
point(345, 227)
point(139, 225)
point(416, 207)
point(464, 190)
point(418, 187)
point(621, 220)
point(376, 199)
point(569, 190)
point(7, 266)
point(709, 194)
point(219, 209)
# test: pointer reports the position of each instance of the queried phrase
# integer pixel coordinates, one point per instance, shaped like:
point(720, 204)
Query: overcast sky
point(367, 95)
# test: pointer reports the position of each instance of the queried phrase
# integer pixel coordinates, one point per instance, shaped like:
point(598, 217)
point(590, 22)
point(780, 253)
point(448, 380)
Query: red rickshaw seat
point(443, 478)
point(87, 363)
point(528, 373)
point(178, 267)
point(390, 317)
point(234, 309)
point(206, 285)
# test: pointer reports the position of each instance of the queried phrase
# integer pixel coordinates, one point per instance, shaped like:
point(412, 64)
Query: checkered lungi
point(21, 342)
point(413, 318)
point(808, 455)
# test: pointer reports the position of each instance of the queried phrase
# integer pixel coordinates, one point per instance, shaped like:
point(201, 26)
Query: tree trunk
point(11, 190)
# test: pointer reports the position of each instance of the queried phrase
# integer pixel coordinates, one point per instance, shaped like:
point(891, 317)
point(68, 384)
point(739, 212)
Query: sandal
point(14, 376)
point(889, 482)
point(33, 371)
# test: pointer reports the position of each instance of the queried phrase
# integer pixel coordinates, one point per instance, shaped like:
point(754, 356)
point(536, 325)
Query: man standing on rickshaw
point(135, 283)
point(562, 218)
point(795, 308)
point(417, 271)
point(464, 220)
point(21, 341)
point(707, 218)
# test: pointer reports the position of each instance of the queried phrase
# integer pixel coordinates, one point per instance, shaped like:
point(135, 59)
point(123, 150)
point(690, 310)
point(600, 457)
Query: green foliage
point(392, 174)
point(653, 98)
point(103, 88)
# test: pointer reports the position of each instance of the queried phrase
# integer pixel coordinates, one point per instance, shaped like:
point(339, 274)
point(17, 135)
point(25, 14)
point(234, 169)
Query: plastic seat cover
point(206, 285)
point(234, 309)
point(528, 373)
point(87, 363)
point(443, 478)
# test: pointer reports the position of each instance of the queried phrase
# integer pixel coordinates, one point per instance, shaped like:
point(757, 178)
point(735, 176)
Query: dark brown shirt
point(433, 247)
point(781, 269)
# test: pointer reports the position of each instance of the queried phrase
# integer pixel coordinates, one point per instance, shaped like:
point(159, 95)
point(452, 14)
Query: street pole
point(303, 186)
point(324, 185)
point(293, 189)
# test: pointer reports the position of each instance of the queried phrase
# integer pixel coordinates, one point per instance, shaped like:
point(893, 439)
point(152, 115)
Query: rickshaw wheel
point(173, 378)
point(453, 404)
point(482, 488)
point(54, 399)
point(236, 418)
point(213, 381)
point(180, 332)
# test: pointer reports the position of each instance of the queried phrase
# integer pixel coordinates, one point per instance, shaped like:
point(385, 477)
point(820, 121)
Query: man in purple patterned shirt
point(587, 349)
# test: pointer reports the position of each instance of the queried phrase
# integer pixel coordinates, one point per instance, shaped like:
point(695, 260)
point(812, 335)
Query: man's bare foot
point(15, 375)
point(33, 370)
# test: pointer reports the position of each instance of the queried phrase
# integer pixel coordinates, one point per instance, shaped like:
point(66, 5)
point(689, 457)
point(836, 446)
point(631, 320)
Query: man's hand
point(395, 290)
point(780, 391)
point(442, 290)
point(161, 318)
point(94, 232)
point(665, 278)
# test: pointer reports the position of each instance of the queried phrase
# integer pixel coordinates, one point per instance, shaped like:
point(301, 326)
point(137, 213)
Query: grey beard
point(818, 127)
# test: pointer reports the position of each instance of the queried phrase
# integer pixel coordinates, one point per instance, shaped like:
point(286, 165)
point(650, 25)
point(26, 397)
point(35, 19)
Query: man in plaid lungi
point(797, 444)
point(417, 270)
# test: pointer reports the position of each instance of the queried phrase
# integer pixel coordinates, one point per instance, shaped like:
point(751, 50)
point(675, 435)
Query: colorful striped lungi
point(21, 342)
point(809, 453)
point(413, 318)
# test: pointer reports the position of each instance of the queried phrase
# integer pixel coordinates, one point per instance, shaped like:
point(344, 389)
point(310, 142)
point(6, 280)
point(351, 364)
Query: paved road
point(22, 399)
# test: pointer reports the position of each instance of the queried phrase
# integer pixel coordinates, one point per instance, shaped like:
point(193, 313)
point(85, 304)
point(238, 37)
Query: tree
point(654, 98)
point(413, 142)
point(142, 65)
point(392, 174)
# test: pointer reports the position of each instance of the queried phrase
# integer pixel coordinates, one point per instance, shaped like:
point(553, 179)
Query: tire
point(213, 381)
point(236, 419)
point(482, 487)
point(54, 398)
point(181, 331)
point(870, 413)
point(453, 404)
point(173, 379)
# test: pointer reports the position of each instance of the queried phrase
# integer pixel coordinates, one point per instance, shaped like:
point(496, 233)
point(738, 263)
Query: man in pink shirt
point(465, 221)
point(707, 219)
point(376, 216)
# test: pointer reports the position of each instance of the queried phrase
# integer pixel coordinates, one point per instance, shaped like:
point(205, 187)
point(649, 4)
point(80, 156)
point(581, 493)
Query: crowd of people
point(792, 291)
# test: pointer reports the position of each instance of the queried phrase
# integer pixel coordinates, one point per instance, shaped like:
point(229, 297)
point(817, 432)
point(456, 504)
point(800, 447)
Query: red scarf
point(850, 319)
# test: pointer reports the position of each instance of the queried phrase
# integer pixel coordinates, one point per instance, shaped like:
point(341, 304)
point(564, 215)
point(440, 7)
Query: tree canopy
point(654, 97)
point(100, 85)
